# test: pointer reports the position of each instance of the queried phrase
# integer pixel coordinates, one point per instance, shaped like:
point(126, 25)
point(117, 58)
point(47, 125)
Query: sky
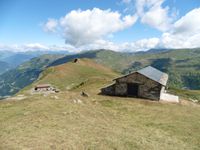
point(120, 25)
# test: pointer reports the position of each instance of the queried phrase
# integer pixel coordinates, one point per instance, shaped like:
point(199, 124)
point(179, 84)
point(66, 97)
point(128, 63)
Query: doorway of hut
point(132, 89)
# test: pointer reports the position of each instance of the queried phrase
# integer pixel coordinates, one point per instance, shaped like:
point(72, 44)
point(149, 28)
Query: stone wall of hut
point(147, 88)
point(109, 90)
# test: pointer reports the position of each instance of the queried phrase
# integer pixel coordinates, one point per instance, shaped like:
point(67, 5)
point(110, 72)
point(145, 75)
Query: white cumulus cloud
point(185, 32)
point(154, 14)
point(50, 25)
point(140, 45)
point(85, 27)
point(126, 1)
point(188, 24)
point(91, 29)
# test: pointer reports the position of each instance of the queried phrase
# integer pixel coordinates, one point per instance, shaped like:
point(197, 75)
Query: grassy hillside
point(69, 121)
point(192, 95)
point(72, 75)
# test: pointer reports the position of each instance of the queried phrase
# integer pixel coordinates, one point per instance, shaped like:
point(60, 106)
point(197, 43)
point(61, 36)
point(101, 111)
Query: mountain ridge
point(72, 75)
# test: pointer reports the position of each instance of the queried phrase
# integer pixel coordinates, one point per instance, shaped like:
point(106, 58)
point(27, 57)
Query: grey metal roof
point(151, 73)
point(154, 74)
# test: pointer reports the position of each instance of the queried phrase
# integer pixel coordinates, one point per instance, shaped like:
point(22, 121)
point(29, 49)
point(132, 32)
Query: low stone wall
point(169, 97)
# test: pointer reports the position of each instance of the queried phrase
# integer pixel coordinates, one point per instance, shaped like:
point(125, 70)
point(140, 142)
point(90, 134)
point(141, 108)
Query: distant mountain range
point(10, 60)
point(15, 79)
point(182, 65)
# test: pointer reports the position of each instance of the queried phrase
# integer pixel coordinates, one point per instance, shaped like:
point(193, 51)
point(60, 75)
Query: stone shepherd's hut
point(43, 87)
point(147, 83)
